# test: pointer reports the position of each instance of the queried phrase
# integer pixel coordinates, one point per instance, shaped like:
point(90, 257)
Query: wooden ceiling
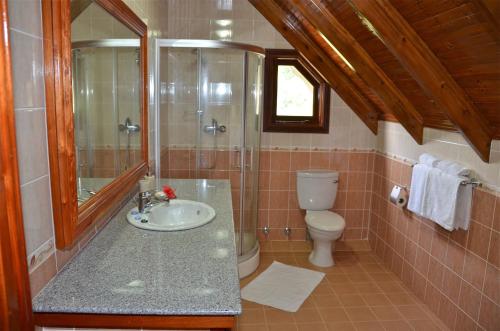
point(422, 63)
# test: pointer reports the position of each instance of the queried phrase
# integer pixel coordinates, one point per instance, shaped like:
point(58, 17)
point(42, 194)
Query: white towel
point(453, 168)
point(440, 198)
point(463, 209)
point(419, 180)
point(428, 159)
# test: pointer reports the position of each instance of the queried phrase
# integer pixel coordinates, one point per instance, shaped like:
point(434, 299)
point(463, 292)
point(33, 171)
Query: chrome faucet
point(142, 201)
point(146, 201)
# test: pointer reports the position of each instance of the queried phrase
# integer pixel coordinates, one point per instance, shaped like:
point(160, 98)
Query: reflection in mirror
point(106, 82)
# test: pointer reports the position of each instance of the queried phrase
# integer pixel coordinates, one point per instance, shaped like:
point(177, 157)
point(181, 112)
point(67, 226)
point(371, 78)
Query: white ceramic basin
point(173, 216)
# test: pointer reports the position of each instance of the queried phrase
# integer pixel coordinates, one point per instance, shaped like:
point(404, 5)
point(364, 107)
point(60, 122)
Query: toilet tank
point(317, 189)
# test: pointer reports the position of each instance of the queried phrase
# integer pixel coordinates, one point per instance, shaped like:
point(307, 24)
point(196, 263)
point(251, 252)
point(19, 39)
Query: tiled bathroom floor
point(358, 293)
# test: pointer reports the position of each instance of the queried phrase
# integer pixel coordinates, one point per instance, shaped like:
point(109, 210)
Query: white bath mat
point(282, 286)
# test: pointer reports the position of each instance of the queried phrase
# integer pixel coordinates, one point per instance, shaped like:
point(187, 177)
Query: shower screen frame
point(155, 99)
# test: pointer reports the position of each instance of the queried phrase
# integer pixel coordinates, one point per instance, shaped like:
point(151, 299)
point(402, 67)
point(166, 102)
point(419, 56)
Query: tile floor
point(359, 293)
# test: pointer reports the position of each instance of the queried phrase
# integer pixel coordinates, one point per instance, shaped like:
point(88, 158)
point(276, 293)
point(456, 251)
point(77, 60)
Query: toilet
point(317, 190)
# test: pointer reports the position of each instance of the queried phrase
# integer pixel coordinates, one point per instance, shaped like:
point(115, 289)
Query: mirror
point(95, 55)
point(106, 98)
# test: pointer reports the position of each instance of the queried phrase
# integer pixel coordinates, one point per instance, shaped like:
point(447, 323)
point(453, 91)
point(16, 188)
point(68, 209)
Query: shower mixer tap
point(214, 128)
point(129, 127)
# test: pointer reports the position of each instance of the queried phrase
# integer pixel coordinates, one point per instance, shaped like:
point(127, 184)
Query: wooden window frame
point(319, 123)
point(71, 221)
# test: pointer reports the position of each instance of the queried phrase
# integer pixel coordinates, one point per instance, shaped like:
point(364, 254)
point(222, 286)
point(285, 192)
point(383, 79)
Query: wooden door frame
point(15, 295)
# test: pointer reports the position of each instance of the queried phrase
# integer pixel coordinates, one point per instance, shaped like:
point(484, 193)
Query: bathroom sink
point(175, 215)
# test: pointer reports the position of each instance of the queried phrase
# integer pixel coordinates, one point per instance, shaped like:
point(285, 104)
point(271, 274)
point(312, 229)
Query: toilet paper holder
point(399, 196)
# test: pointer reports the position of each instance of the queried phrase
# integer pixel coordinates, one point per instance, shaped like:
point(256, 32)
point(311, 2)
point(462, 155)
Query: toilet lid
point(325, 220)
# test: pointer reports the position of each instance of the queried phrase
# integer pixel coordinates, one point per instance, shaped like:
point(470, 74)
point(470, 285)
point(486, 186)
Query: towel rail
point(471, 181)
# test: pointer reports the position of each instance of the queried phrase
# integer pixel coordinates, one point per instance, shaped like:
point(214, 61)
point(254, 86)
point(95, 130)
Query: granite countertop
point(126, 270)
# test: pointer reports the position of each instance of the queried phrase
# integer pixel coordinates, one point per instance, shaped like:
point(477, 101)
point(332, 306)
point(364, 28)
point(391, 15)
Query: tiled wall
point(29, 101)
point(394, 140)
point(235, 20)
point(278, 204)
point(108, 163)
point(456, 273)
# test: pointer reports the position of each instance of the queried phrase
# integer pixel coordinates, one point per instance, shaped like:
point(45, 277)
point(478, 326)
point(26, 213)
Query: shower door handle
point(237, 163)
point(238, 152)
point(249, 165)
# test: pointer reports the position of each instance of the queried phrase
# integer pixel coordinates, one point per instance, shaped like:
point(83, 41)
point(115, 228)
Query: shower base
point(248, 263)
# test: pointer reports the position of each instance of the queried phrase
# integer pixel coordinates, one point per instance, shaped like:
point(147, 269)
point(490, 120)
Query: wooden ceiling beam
point(338, 80)
point(362, 63)
point(380, 17)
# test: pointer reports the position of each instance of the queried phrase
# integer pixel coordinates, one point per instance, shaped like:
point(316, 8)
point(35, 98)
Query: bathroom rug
point(282, 286)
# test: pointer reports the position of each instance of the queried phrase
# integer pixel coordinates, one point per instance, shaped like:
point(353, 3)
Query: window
point(296, 98)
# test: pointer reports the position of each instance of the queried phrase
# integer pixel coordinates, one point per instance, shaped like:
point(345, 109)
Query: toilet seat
point(325, 220)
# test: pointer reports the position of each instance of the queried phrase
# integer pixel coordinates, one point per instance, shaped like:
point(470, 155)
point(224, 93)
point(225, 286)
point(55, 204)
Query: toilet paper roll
point(399, 196)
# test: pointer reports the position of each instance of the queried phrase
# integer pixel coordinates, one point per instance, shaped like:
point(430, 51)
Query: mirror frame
point(71, 222)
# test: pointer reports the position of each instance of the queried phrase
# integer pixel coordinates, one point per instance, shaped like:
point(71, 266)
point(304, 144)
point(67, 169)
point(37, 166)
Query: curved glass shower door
point(209, 104)
point(251, 145)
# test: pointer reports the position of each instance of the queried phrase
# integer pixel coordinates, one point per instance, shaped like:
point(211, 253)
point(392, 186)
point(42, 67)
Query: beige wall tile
point(31, 138)
point(27, 68)
point(19, 20)
point(37, 213)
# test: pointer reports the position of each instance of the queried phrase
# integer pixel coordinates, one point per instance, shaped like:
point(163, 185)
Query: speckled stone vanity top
point(126, 270)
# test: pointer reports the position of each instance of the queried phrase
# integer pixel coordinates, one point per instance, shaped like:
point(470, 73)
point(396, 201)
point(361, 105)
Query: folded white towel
point(419, 180)
point(428, 159)
point(453, 168)
point(440, 198)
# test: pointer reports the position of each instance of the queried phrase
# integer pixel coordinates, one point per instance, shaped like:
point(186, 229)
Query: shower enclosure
point(208, 109)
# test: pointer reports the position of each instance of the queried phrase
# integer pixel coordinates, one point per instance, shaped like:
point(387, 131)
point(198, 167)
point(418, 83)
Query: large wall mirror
point(95, 56)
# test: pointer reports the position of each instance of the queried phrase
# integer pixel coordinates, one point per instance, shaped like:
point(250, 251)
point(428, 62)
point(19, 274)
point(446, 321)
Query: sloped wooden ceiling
point(423, 63)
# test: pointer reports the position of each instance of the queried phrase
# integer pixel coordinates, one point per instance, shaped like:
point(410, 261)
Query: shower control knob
point(214, 128)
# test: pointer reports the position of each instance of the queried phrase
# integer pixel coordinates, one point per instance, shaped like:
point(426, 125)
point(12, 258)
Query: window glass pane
point(295, 93)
